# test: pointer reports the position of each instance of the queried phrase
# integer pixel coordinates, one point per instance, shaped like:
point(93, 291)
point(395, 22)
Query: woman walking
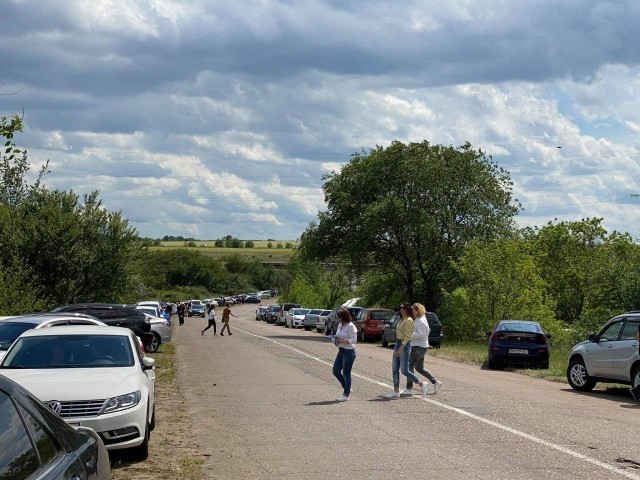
point(401, 352)
point(419, 348)
point(212, 321)
point(345, 338)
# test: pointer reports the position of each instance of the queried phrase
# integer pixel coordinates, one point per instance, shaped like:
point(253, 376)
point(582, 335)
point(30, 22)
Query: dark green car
point(435, 335)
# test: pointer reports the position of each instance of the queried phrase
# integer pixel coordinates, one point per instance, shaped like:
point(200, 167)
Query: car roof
point(38, 318)
point(77, 330)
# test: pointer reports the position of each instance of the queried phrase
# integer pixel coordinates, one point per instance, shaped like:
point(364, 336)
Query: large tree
point(408, 210)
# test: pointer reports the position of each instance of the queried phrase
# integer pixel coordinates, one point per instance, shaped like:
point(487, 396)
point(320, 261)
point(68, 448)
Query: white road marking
point(464, 413)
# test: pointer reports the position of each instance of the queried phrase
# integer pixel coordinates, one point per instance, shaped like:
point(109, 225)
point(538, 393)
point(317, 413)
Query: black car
point(331, 322)
point(261, 313)
point(518, 342)
point(197, 310)
point(37, 443)
point(252, 299)
point(115, 315)
point(272, 313)
point(436, 330)
point(12, 327)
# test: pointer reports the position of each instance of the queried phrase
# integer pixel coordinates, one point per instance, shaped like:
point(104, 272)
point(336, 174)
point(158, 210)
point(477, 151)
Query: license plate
point(519, 351)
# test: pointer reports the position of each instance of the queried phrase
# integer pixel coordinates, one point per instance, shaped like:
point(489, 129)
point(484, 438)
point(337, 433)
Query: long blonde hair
point(419, 309)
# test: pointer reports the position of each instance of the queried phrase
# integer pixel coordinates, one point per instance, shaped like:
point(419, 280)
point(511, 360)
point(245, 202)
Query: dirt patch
point(172, 453)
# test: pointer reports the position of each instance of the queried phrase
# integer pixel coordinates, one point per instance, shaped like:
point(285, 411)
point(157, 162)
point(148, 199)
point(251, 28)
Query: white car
point(94, 377)
point(295, 317)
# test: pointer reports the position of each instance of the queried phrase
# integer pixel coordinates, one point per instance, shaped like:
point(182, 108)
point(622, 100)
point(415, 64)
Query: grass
point(165, 364)
point(476, 353)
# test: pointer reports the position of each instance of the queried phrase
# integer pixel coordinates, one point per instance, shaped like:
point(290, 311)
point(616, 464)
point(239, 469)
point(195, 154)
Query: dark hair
point(344, 315)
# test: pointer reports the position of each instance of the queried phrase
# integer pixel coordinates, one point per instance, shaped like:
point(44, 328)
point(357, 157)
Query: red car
point(370, 322)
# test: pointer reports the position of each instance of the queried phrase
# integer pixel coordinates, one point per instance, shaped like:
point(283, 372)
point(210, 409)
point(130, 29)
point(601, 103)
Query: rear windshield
point(381, 315)
point(526, 327)
point(301, 311)
point(9, 331)
point(315, 312)
point(274, 308)
point(432, 319)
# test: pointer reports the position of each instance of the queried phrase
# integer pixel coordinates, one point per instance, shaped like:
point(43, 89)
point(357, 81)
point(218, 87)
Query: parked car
point(12, 327)
point(161, 330)
point(159, 306)
point(294, 318)
point(609, 356)
point(332, 320)
point(518, 342)
point(311, 318)
point(272, 313)
point(436, 330)
point(273, 292)
point(197, 310)
point(115, 315)
point(284, 308)
point(91, 377)
point(264, 294)
point(261, 312)
point(370, 322)
point(36, 443)
point(252, 298)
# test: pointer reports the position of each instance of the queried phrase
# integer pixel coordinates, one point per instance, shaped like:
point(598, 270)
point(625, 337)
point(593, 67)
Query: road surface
point(263, 407)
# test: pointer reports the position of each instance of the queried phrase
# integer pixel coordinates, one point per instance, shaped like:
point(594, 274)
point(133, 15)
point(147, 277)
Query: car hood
point(67, 384)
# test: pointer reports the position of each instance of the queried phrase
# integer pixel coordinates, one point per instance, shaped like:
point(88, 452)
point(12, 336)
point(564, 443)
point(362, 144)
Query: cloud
point(219, 118)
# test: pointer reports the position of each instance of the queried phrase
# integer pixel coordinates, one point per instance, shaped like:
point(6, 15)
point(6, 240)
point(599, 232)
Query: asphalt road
point(262, 402)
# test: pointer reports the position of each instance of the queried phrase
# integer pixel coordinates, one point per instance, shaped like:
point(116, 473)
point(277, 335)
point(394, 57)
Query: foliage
point(499, 281)
point(249, 244)
point(315, 286)
point(408, 210)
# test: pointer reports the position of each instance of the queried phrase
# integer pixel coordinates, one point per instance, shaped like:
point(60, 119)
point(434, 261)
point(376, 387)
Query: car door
point(599, 354)
point(625, 350)
point(148, 376)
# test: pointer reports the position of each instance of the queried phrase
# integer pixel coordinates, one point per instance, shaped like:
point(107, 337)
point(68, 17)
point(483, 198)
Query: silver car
point(611, 355)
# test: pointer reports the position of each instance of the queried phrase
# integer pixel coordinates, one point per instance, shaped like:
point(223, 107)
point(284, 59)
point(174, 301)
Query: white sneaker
point(342, 398)
point(394, 395)
point(436, 386)
point(425, 389)
point(406, 391)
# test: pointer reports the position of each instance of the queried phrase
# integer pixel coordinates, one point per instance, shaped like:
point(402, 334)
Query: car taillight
point(494, 337)
point(542, 338)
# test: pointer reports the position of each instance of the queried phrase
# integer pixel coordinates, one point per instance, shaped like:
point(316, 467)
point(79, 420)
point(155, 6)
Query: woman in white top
point(419, 348)
point(345, 338)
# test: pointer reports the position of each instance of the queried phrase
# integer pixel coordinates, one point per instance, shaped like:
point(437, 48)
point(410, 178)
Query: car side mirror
point(148, 363)
point(592, 338)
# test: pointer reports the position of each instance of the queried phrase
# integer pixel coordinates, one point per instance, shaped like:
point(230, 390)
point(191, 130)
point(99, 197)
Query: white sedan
point(96, 377)
point(295, 317)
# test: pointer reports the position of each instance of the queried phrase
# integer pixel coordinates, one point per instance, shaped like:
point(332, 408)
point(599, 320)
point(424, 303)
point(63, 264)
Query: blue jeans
point(342, 368)
point(402, 364)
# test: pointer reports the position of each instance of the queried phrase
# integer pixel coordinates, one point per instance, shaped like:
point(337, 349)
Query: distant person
point(212, 321)
point(226, 313)
point(635, 391)
point(402, 351)
point(419, 348)
point(181, 309)
point(345, 338)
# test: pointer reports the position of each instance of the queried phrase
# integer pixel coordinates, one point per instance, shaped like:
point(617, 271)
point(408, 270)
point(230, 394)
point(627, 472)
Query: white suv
point(611, 355)
point(96, 377)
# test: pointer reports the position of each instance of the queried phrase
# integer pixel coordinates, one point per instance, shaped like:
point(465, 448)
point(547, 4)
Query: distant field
point(260, 251)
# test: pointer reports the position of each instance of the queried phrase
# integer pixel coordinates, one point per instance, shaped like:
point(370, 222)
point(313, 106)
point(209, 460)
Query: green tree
point(249, 244)
point(408, 210)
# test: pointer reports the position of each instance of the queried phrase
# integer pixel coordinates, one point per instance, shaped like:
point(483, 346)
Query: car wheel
point(318, 330)
point(578, 377)
point(141, 452)
point(286, 325)
point(635, 376)
point(545, 365)
point(154, 345)
point(435, 345)
point(384, 341)
point(493, 365)
point(307, 329)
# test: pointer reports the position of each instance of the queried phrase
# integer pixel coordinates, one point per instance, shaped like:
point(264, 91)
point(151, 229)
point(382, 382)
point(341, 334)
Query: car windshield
point(197, 307)
point(381, 315)
point(9, 331)
point(70, 351)
point(526, 327)
point(301, 311)
point(150, 310)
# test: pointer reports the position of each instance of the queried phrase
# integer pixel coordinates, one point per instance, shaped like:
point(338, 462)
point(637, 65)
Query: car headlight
point(122, 402)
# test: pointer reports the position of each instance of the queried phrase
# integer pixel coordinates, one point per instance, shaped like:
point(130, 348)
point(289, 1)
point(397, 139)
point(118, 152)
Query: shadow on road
point(616, 394)
point(326, 402)
point(296, 337)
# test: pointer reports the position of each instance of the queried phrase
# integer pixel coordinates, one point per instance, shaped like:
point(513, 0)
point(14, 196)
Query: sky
point(207, 118)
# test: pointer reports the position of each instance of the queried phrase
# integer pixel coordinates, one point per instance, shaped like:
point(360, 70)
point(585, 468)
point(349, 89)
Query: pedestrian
point(226, 313)
point(212, 321)
point(402, 351)
point(419, 348)
point(181, 309)
point(345, 339)
point(635, 391)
